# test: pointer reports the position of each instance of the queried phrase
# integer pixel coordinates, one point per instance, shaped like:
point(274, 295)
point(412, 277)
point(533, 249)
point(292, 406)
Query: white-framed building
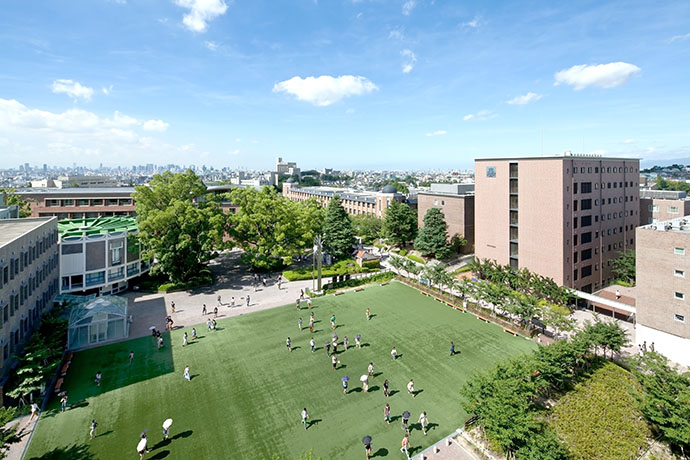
point(99, 255)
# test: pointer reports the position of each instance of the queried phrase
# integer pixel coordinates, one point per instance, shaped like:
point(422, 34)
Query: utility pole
point(318, 260)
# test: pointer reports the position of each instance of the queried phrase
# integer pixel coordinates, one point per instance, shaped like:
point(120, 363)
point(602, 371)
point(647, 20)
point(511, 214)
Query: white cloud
point(525, 99)
point(440, 132)
point(602, 75)
point(237, 139)
point(630, 141)
point(409, 63)
point(201, 12)
point(325, 90)
point(155, 125)
point(107, 89)
point(211, 45)
point(73, 89)
point(408, 6)
point(234, 152)
point(397, 34)
point(79, 135)
point(482, 115)
point(474, 23)
point(676, 38)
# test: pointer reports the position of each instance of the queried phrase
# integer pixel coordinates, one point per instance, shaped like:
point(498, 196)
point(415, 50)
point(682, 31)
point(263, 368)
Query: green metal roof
point(96, 226)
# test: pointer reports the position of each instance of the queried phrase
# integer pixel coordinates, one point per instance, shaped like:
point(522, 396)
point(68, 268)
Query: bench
point(385, 284)
point(58, 384)
point(69, 357)
point(482, 318)
point(359, 289)
point(339, 293)
point(510, 331)
point(64, 369)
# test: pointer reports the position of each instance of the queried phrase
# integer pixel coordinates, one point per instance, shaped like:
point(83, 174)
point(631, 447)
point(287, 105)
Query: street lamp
point(317, 260)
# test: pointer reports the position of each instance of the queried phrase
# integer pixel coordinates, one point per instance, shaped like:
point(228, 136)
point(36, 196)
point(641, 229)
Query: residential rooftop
point(97, 226)
point(11, 229)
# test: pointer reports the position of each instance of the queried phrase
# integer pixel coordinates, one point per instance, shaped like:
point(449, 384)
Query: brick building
point(79, 203)
point(456, 201)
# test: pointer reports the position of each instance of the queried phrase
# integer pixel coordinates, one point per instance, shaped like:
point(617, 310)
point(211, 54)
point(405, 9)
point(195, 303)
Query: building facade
point(456, 201)
point(355, 202)
point(99, 256)
point(566, 217)
point(28, 280)
point(663, 288)
point(79, 203)
point(662, 205)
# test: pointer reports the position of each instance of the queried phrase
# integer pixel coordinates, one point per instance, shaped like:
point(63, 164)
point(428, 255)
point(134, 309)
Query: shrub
point(377, 278)
point(623, 283)
point(204, 279)
point(416, 259)
point(464, 269)
point(372, 264)
point(403, 252)
point(342, 267)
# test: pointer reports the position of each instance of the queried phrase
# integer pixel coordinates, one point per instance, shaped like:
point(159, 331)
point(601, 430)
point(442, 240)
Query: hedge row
point(377, 278)
point(204, 279)
point(344, 267)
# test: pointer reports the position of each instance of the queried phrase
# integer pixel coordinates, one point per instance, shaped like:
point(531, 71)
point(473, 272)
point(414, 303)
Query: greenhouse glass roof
point(96, 226)
point(112, 306)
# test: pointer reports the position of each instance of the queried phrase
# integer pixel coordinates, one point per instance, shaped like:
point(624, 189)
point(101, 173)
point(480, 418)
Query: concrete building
point(662, 205)
point(28, 280)
point(355, 202)
point(75, 181)
point(456, 201)
point(79, 203)
point(99, 256)
point(663, 288)
point(285, 168)
point(565, 217)
point(8, 211)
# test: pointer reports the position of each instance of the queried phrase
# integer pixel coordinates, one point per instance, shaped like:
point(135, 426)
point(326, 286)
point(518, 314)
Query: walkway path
point(24, 428)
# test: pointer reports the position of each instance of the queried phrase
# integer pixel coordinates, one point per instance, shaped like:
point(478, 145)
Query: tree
point(665, 401)
point(432, 239)
point(367, 227)
point(457, 242)
point(11, 198)
point(8, 433)
point(271, 229)
point(178, 227)
point(624, 266)
point(397, 263)
point(399, 224)
point(338, 231)
point(556, 316)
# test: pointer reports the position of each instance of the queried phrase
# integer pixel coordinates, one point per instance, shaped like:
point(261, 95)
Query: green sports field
point(247, 391)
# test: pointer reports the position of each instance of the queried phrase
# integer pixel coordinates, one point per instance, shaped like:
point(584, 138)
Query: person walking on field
point(184, 339)
point(423, 421)
point(34, 411)
point(297, 303)
point(63, 402)
point(247, 299)
point(328, 347)
point(410, 388)
point(312, 345)
point(172, 306)
point(299, 324)
point(309, 302)
point(288, 344)
point(215, 312)
point(305, 416)
point(452, 349)
point(92, 432)
point(368, 314)
point(385, 388)
point(394, 353)
point(232, 301)
point(219, 302)
point(358, 343)
point(387, 413)
point(334, 361)
point(346, 342)
point(131, 357)
point(405, 446)
point(333, 322)
point(370, 369)
point(186, 374)
point(193, 333)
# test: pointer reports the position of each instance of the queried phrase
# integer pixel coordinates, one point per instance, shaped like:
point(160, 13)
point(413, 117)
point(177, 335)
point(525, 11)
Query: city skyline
point(349, 84)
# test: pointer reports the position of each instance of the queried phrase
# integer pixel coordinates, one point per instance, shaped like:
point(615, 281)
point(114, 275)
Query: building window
point(673, 209)
point(679, 273)
point(679, 251)
point(586, 187)
point(679, 318)
point(679, 295)
point(585, 204)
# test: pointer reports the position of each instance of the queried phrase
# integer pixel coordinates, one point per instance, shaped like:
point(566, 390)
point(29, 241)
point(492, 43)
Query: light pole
point(317, 260)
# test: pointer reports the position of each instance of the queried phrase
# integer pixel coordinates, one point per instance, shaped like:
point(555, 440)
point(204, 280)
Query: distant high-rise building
point(566, 217)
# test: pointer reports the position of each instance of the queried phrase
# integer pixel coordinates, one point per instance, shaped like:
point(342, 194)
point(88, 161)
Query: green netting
point(96, 226)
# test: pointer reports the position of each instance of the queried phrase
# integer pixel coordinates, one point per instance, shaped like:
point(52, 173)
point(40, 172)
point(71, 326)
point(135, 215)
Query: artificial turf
point(247, 391)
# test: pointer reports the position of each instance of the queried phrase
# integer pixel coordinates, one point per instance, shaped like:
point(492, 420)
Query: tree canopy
point(367, 227)
point(432, 239)
point(12, 198)
point(339, 236)
point(178, 227)
point(399, 224)
point(624, 266)
point(272, 229)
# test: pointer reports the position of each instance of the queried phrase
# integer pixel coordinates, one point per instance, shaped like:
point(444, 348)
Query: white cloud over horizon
point(73, 89)
point(630, 141)
point(482, 115)
point(201, 12)
point(525, 99)
point(676, 38)
point(213, 46)
point(440, 132)
point(473, 24)
point(155, 125)
point(410, 60)
point(325, 89)
point(603, 75)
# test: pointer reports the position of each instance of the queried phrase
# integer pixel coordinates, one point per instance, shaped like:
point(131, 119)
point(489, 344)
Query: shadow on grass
point(431, 426)
point(75, 452)
point(376, 374)
point(417, 392)
point(382, 452)
point(374, 388)
point(105, 433)
point(159, 455)
point(313, 422)
point(393, 392)
point(183, 434)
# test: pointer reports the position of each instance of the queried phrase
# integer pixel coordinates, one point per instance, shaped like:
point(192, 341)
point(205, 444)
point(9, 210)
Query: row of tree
point(507, 400)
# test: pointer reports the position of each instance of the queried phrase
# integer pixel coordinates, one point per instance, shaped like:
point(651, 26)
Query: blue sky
point(340, 83)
